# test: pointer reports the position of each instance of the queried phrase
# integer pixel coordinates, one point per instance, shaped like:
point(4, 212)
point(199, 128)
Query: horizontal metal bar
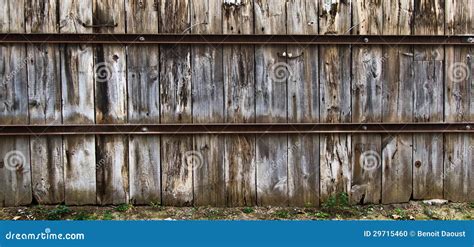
point(224, 128)
point(248, 39)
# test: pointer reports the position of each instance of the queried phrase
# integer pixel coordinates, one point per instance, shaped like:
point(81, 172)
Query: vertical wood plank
point(459, 104)
point(15, 172)
point(428, 101)
point(335, 100)
point(397, 167)
point(143, 103)
point(176, 105)
point(271, 70)
point(239, 95)
point(15, 169)
point(44, 101)
point(367, 104)
point(397, 104)
point(77, 76)
point(208, 105)
point(111, 105)
point(303, 105)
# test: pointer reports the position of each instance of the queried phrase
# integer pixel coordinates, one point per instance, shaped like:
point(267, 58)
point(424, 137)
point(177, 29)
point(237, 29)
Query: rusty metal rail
point(224, 128)
point(248, 39)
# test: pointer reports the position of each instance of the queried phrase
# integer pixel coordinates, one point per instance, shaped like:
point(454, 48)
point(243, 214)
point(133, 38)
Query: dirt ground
point(409, 211)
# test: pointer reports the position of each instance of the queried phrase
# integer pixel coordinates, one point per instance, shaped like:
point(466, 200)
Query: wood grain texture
point(334, 16)
point(176, 105)
point(239, 95)
point(366, 107)
point(397, 104)
point(77, 77)
point(208, 105)
point(111, 105)
point(144, 169)
point(15, 171)
point(367, 17)
point(47, 166)
point(271, 74)
point(397, 164)
point(79, 170)
point(177, 169)
point(335, 100)
point(428, 101)
point(240, 171)
point(75, 16)
point(303, 105)
point(272, 172)
point(12, 18)
point(143, 69)
point(398, 16)
point(459, 104)
point(458, 156)
point(44, 101)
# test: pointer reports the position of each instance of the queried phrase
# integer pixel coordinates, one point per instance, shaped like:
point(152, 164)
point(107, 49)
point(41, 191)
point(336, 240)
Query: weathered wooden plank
point(239, 93)
point(335, 100)
point(15, 179)
point(271, 72)
point(112, 170)
point(176, 105)
point(79, 170)
point(44, 101)
point(397, 104)
point(459, 16)
point(303, 106)
point(428, 148)
point(47, 170)
point(367, 103)
point(15, 171)
point(334, 16)
point(459, 104)
point(240, 171)
point(208, 168)
point(143, 103)
point(366, 107)
point(144, 169)
point(272, 173)
point(111, 105)
point(208, 105)
point(177, 169)
point(428, 102)
point(368, 17)
point(12, 18)
point(41, 16)
point(77, 76)
point(397, 17)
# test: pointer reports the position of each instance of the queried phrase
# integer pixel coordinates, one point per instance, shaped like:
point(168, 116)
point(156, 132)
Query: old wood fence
point(151, 84)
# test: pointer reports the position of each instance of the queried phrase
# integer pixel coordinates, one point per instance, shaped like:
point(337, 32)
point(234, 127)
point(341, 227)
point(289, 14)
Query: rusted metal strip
point(234, 39)
point(188, 129)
